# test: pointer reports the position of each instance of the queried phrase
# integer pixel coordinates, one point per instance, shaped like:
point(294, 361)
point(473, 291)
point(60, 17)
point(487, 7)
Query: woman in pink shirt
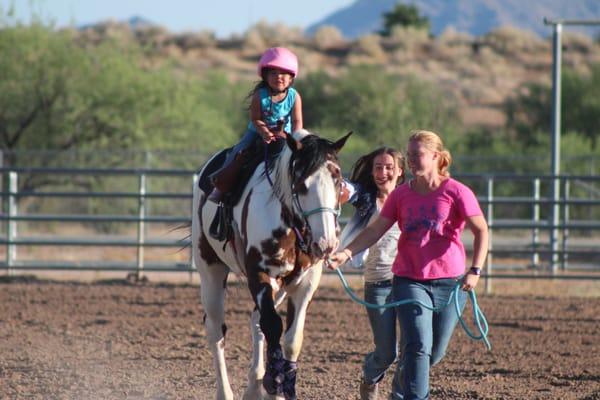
point(431, 210)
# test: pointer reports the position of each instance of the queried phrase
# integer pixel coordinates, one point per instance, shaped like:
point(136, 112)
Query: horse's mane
point(297, 166)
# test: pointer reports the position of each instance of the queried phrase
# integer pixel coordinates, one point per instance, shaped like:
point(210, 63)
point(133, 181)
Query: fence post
point(565, 237)
point(11, 233)
point(535, 237)
point(141, 234)
point(193, 268)
point(490, 221)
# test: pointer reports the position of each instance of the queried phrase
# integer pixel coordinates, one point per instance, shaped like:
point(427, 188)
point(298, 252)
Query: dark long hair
point(362, 171)
point(362, 176)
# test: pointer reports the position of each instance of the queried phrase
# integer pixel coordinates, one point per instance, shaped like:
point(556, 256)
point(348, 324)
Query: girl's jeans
point(383, 325)
point(425, 334)
point(245, 142)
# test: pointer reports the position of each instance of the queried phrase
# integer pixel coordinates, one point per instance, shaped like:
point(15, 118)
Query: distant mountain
point(475, 17)
point(137, 22)
point(134, 23)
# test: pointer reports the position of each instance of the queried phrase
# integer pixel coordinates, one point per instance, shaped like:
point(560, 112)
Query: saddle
point(221, 226)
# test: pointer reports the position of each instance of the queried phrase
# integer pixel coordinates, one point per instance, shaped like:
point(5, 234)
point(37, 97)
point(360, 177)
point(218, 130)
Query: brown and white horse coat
point(282, 234)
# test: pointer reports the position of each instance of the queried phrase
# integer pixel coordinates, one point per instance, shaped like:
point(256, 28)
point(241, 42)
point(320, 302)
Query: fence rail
point(513, 235)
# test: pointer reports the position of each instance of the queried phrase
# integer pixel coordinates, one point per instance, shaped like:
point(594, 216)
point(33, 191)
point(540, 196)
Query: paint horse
point(284, 226)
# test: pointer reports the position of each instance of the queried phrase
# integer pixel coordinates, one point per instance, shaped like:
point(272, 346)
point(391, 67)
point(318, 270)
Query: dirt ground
point(112, 339)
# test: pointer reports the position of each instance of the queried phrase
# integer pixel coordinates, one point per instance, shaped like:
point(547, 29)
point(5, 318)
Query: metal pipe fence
point(519, 211)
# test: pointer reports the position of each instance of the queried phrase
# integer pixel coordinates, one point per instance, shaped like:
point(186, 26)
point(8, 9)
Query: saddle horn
point(292, 143)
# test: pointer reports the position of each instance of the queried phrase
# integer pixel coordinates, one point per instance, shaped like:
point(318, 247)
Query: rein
point(478, 316)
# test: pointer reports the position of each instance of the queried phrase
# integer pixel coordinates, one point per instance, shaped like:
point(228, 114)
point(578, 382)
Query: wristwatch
point(475, 271)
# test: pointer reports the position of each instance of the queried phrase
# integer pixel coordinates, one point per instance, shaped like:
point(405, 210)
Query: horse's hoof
point(289, 383)
point(275, 373)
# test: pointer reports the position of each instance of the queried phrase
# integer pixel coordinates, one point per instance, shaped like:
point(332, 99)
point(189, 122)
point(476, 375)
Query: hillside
point(476, 17)
point(479, 72)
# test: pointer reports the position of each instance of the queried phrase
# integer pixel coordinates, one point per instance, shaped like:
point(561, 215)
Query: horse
point(283, 228)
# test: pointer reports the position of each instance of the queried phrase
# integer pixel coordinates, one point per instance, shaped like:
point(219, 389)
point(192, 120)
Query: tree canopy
point(59, 94)
point(404, 15)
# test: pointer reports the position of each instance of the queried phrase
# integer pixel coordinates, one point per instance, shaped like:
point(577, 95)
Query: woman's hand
point(469, 282)
point(338, 259)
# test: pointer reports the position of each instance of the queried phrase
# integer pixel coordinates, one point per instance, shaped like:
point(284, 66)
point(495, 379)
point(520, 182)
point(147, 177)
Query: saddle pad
point(213, 165)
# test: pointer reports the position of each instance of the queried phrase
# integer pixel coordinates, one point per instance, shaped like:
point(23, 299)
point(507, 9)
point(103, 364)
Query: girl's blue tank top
point(271, 113)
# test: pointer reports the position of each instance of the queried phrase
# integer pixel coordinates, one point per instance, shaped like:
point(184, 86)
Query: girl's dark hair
point(260, 84)
point(362, 171)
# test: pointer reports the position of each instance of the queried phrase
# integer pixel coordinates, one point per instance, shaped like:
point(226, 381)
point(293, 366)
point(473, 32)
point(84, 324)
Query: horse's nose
point(324, 248)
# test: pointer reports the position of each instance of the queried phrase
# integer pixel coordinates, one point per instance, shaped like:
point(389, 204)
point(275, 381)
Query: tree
point(531, 110)
point(380, 108)
point(56, 94)
point(404, 15)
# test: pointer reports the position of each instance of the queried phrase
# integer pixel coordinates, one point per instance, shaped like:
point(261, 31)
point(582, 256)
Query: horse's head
point(316, 181)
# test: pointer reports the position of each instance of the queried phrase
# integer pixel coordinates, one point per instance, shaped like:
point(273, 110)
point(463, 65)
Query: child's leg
point(226, 176)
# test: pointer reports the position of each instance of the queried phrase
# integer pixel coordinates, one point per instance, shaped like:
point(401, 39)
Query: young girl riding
point(275, 110)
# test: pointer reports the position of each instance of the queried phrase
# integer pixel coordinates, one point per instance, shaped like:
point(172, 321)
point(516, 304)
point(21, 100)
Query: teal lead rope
point(478, 316)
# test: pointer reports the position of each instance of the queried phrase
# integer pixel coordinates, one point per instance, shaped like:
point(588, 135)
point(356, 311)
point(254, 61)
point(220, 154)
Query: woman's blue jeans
point(425, 334)
point(383, 325)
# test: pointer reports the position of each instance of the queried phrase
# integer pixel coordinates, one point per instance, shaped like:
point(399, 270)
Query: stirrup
point(216, 196)
point(218, 226)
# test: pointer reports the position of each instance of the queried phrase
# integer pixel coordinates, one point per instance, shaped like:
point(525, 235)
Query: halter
point(302, 242)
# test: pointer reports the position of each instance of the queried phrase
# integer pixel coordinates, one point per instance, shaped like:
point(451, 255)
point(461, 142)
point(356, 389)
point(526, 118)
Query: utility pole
point(555, 162)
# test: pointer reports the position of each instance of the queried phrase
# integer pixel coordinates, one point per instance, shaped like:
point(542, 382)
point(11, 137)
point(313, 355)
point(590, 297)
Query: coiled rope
point(478, 316)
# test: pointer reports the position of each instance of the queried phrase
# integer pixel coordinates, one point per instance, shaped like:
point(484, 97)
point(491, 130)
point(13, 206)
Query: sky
point(223, 17)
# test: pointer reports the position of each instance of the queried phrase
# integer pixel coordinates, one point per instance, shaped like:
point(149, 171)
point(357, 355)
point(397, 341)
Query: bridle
point(303, 239)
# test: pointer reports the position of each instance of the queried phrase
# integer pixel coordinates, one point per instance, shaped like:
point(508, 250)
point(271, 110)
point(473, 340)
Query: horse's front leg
point(257, 363)
point(271, 326)
point(257, 367)
point(299, 298)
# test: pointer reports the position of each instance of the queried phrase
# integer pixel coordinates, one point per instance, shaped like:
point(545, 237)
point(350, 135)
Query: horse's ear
point(292, 143)
point(337, 146)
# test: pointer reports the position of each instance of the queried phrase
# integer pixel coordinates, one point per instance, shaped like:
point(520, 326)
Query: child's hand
point(267, 136)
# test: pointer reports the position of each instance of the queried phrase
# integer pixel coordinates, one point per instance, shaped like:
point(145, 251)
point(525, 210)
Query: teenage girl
point(374, 176)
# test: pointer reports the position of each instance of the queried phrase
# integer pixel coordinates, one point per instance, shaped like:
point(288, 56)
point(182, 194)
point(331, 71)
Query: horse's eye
point(300, 188)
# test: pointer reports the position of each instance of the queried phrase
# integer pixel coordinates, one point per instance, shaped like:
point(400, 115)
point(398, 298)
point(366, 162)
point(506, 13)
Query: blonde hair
point(433, 142)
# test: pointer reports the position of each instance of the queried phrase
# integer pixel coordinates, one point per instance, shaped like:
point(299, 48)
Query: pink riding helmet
point(278, 57)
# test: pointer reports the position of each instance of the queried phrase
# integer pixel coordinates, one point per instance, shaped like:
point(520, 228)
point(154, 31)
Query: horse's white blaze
point(323, 224)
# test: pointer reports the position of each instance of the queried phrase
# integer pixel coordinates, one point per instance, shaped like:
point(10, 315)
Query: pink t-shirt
point(431, 225)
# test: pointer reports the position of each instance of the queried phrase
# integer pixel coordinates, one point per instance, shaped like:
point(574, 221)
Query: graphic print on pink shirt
point(430, 246)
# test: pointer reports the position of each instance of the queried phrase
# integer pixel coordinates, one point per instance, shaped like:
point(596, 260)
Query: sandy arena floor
point(112, 339)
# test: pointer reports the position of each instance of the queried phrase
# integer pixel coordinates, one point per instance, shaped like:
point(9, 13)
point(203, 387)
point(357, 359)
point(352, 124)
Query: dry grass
point(500, 61)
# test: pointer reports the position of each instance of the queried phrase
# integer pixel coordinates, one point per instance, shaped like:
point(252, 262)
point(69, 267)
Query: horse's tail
point(184, 226)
